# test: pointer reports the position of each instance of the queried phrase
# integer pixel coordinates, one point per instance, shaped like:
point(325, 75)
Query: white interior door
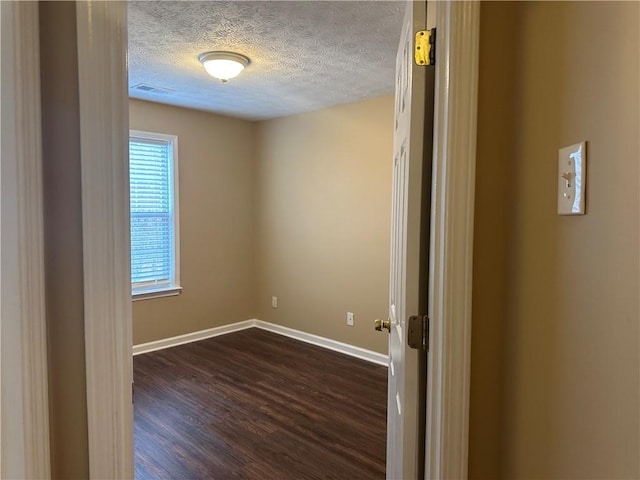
point(409, 250)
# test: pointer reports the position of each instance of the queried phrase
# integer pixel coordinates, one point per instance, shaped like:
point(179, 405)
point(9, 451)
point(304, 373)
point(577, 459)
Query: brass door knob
point(380, 324)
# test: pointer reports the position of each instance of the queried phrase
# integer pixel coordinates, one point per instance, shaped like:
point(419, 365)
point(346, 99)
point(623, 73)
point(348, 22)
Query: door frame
point(102, 43)
point(104, 146)
point(24, 423)
point(451, 258)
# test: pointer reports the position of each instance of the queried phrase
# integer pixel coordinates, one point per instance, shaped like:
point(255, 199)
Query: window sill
point(157, 293)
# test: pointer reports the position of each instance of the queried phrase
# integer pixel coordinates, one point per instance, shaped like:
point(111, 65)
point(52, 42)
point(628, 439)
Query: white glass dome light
point(223, 65)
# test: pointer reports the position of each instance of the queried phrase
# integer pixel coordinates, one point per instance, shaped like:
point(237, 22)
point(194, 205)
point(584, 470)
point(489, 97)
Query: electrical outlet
point(274, 302)
point(350, 319)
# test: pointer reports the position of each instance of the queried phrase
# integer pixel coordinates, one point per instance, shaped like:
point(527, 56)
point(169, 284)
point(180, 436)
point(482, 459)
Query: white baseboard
point(351, 350)
point(191, 337)
point(345, 348)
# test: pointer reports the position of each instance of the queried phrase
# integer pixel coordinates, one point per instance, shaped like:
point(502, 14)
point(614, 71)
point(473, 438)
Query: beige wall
point(493, 168)
point(323, 219)
point(216, 156)
point(571, 379)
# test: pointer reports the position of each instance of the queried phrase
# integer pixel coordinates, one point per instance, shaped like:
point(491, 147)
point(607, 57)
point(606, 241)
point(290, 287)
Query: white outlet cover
point(350, 319)
point(572, 176)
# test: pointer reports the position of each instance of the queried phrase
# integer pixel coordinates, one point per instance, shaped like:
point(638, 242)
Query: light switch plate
point(572, 176)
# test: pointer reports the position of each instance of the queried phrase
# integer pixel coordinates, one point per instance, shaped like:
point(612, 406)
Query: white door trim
point(102, 50)
point(454, 159)
point(104, 133)
point(24, 423)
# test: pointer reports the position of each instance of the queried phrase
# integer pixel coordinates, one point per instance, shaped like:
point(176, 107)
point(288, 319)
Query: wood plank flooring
point(257, 405)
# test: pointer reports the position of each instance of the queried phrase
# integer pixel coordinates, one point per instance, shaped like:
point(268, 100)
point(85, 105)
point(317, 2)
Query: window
point(153, 176)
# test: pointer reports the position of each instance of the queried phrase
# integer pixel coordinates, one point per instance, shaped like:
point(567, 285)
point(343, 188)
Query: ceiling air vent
point(147, 88)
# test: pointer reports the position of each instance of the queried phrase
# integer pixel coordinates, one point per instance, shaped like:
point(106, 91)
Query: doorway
point(108, 399)
point(298, 204)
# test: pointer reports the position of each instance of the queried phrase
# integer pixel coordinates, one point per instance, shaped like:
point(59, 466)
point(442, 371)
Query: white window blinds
point(153, 225)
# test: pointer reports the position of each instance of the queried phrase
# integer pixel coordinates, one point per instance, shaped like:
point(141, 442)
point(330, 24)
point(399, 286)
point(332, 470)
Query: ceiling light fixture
point(223, 65)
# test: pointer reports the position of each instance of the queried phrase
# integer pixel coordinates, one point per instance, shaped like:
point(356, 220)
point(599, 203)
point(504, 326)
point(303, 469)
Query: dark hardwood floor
point(257, 405)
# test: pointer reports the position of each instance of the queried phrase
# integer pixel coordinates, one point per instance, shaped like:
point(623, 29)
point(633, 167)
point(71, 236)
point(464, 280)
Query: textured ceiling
point(305, 55)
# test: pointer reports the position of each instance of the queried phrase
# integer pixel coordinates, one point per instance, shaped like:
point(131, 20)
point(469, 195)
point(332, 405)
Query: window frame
point(147, 290)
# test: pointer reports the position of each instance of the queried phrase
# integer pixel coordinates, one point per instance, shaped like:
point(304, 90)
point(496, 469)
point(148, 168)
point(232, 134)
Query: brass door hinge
point(425, 47)
point(418, 332)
